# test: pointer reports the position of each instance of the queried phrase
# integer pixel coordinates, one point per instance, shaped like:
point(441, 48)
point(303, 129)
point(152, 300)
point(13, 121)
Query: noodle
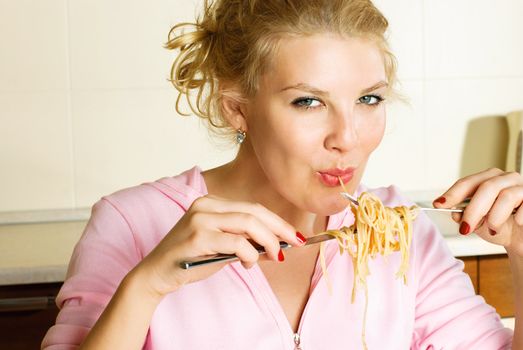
point(377, 229)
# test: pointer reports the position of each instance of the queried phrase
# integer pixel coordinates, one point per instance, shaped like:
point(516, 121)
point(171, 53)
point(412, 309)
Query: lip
point(329, 177)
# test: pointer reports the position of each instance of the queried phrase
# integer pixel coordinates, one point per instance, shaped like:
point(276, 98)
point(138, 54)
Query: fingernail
point(440, 200)
point(301, 237)
point(492, 232)
point(464, 228)
point(280, 256)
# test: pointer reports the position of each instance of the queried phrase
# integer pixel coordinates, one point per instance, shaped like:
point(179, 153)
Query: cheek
point(268, 136)
point(277, 133)
point(372, 131)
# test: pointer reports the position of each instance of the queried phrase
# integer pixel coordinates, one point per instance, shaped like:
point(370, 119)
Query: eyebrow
point(306, 87)
point(376, 86)
point(316, 91)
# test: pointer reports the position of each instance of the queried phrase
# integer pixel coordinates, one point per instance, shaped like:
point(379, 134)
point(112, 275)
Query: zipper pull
point(297, 342)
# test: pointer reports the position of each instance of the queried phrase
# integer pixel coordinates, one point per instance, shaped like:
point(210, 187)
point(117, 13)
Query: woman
point(301, 86)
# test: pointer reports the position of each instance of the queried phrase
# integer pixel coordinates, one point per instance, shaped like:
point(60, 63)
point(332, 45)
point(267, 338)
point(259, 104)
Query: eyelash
point(298, 102)
point(379, 99)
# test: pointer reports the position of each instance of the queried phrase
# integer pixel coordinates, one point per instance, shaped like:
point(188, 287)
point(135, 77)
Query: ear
point(233, 108)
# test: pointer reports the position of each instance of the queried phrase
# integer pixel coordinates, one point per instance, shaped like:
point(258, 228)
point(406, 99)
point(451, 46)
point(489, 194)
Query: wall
point(85, 108)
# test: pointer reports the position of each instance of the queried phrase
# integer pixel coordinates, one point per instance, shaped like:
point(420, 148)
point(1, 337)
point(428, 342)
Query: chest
point(252, 309)
point(290, 281)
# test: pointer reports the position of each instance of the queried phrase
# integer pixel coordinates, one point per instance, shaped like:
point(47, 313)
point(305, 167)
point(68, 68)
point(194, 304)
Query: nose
point(341, 133)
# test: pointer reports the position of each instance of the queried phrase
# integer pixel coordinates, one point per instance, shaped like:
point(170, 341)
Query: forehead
point(327, 61)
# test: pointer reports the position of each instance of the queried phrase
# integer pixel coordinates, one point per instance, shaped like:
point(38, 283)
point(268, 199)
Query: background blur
point(86, 108)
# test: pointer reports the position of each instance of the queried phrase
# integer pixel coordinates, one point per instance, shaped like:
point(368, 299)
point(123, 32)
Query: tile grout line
point(471, 77)
point(24, 91)
point(424, 93)
point(424, 78)
point(70, 104)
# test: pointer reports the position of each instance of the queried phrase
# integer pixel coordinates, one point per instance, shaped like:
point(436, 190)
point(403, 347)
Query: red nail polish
point(464, 228)
point(301, 237)
point(280, 256)
point(440, 200)
point(492, 232)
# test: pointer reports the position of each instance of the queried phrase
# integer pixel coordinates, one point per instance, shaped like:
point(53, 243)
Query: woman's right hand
point(213, 225)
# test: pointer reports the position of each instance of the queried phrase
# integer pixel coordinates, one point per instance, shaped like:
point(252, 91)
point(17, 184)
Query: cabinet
point(26, 313)
point(492, 279)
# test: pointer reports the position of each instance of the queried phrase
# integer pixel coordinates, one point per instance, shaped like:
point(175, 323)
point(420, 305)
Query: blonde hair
point(233, 41)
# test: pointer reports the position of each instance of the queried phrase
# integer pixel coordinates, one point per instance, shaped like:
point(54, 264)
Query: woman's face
point(318, 114)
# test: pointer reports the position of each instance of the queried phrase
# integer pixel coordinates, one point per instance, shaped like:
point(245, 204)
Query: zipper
point(297, 336)
point(297, 341)
point(263, 289)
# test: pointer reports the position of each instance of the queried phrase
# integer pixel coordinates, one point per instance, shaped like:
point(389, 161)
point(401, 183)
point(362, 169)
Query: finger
point(484, 197)
point(464, 188)
point(209, 242)
point(247, 265)
point(456, 216)
point(285, 231)
point(518, 216)
point(508, 199)
point(244, 250)
point(242, 224)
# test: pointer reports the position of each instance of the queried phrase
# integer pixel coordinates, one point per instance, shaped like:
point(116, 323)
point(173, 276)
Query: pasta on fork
point(377, 229)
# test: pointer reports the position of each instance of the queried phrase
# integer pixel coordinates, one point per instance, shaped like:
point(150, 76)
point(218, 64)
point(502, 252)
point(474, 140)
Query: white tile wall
point(33, 45)
point(125, 137)
point(403, 144)
point(450, 107)
point(36, 163)
point(85, 108)
point(119, 43)
point(405, 35)
point(473, 38)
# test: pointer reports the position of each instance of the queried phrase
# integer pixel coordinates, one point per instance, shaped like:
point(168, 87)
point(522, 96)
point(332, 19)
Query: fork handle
point(222, 258)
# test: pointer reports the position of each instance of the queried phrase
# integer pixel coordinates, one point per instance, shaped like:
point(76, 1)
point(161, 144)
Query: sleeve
point(105, 253)
point(448, 313)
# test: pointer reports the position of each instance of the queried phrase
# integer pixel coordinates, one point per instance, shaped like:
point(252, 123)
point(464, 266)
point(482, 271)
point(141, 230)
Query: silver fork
point(454, 210)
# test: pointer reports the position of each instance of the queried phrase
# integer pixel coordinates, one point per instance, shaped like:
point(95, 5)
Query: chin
point(329, 207)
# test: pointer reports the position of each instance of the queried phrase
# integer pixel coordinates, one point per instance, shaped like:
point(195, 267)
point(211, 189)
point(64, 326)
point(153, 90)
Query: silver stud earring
point(240, 136)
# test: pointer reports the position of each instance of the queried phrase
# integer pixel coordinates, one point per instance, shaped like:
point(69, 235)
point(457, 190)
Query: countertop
point(39, 252)
point(35, 246)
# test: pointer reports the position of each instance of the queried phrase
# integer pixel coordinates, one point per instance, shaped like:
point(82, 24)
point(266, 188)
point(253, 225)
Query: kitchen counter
point(35, 247)
point(39, 252)
point(470, 245)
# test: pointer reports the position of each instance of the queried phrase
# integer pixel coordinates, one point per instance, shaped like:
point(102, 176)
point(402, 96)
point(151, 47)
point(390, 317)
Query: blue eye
point(307, 102)
point(371, 100)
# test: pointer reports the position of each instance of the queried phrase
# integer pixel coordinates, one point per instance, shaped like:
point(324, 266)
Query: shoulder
point(180, 190)
point(151, 209)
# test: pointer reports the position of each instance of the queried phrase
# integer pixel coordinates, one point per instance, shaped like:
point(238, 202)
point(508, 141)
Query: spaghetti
point(377, 229)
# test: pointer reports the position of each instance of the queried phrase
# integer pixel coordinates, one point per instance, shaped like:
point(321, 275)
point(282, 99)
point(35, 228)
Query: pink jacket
point(236, 308)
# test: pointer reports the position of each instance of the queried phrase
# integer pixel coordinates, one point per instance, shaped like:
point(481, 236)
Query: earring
point(240, 136)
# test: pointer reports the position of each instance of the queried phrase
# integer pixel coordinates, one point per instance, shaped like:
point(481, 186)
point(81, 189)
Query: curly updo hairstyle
point(232, 42)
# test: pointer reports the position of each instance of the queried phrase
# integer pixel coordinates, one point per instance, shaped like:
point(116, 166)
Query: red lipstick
point(329, 177)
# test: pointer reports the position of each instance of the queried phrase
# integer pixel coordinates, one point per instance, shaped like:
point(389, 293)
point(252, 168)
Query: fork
point(454, 210)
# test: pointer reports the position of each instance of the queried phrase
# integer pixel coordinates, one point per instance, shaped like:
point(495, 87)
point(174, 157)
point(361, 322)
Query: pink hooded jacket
point(236, 308)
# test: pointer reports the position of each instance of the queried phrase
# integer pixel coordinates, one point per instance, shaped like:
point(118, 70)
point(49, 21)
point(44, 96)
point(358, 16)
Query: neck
point(243, 179)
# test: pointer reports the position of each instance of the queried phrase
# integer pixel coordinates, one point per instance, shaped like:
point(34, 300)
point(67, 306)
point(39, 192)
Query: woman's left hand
point(494, 212)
